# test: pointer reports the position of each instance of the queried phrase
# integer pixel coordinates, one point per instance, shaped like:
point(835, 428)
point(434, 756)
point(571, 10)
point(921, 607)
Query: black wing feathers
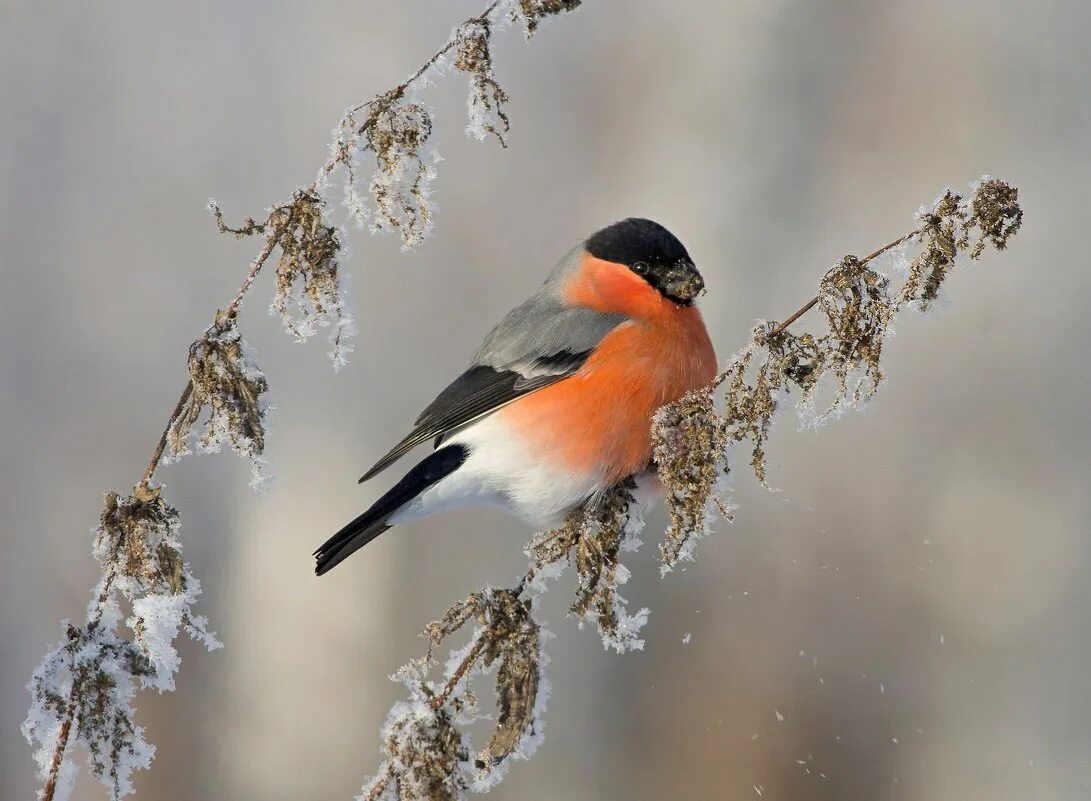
point(372, 523)
point(475, 393)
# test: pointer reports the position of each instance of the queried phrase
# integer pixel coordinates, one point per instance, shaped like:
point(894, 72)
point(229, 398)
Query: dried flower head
point(396, 133)
point(308, 283)
point(533, 12)
point(225, 379)
point(427, 756)
point(91, 677)
point(592, 537)
point(102, 668)
point(424, 755)
point(943, 231)
point(859, 313)
point(487, 98)
point(749, 408)
point(139, 534)
point(996, 212)
point(512, 640)
point(689, 441)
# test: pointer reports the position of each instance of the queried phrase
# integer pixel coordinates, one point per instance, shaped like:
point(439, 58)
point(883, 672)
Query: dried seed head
point(96, 672)
point(225, 379)
point(487, 98)
point(533, 12)
point(396, 133)
point(859, 312)
point(308, 283)
point(140, 533)
point(424, 752)
point(513, 638)
point(996, 212)
point(749, 408)
point(689, 447)
point(943, 234)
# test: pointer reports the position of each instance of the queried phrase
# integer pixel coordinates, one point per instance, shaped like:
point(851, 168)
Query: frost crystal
point(309, 294)
point(428, 755)
point(224, 378)
point(592, 537)
point(487, 98)
point(396, 132)
point(402, 185)
point(689, 447)
point(90, 678)
point(532, 12)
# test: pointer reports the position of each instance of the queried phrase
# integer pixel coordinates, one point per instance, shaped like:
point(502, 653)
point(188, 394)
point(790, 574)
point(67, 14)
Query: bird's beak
point(683, 282)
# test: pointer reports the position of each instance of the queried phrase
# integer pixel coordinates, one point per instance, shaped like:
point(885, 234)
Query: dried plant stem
point(810, 304)
point(161, 446)
point(379, 787)
point(50, 787)
point(156, 460)
point(459, 673)
point(225, 383)
point(58, 755)
point(399, 90)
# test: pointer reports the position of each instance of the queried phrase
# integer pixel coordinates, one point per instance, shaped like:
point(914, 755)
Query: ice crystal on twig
point(87, 683)
point(396, 133)
point(943, 231)
point(224, 379)
point(995, 211)
point(104, 667)
point(428, 755)
point(146, 568)
point(308, 281)
point(139, 536)
point(532, 12)
point(592, 537)
point(487, 98)
point(689, 442)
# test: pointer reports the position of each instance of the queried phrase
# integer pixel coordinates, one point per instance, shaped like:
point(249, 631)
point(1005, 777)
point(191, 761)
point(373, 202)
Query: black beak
point(682, 282)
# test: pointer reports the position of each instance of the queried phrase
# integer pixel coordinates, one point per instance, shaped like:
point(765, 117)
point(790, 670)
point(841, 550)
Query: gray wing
point(537, 344)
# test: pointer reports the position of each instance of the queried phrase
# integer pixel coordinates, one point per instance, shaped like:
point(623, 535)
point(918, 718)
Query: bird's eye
point(640, 268)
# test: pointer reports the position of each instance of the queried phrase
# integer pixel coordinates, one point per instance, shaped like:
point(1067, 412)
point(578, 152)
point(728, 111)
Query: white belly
point(501, 471)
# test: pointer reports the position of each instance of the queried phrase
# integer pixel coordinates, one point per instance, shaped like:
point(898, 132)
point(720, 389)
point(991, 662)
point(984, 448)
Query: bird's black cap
point(637, 239)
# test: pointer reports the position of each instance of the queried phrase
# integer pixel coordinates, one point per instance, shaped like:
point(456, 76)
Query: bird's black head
point(653, 253)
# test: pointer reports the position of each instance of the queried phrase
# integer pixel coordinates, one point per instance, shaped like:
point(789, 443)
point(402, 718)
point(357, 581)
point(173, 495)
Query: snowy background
point(914, 604)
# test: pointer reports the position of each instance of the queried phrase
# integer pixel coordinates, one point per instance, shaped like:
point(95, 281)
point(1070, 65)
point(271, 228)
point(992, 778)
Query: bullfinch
point(557, 402)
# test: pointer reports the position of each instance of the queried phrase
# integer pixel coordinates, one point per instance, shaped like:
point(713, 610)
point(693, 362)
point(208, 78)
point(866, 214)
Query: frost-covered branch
point(83, 690)
point(428, 753)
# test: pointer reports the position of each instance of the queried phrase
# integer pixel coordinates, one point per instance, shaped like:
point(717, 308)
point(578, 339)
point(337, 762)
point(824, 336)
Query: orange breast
point(599, 420)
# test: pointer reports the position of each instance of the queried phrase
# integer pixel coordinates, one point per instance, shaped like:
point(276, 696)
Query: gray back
point(544, 326)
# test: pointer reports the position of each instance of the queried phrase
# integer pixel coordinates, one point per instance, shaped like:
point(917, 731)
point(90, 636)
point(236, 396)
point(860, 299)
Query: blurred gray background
point(914, 602)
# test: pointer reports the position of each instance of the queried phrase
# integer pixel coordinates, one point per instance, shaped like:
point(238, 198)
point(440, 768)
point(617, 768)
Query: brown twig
point(250, 227)
point(273, 228)
point(463, 668)
point(810, 304)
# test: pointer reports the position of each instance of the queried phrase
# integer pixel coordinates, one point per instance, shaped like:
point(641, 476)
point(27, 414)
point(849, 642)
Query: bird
point(556, 406)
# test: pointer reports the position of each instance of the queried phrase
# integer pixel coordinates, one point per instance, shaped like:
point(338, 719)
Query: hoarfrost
point(91, 677)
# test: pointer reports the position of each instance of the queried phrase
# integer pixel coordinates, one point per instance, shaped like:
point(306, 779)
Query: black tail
point(372, 523)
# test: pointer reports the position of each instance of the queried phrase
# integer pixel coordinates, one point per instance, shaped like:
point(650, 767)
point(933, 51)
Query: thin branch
point(272, 239)
point(810, 304)
point(441, 698)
